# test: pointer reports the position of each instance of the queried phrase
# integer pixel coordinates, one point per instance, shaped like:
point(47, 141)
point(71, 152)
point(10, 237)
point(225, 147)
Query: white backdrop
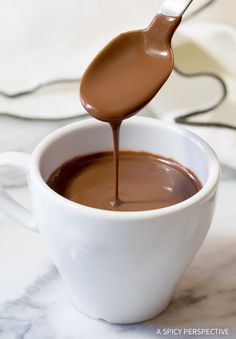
point(45, 40)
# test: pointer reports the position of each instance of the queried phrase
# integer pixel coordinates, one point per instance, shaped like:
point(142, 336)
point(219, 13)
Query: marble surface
point(34, 304)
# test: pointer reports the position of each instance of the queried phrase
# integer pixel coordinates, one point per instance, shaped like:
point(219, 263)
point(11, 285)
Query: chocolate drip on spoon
point(129, 72)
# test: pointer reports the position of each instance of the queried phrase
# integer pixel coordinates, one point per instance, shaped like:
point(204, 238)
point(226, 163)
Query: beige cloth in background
point(206, 43)
point(46, 40)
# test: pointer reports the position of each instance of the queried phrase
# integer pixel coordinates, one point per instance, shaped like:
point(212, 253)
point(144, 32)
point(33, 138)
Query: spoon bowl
point(132, 68)
point(123, 77)
point(129, 71)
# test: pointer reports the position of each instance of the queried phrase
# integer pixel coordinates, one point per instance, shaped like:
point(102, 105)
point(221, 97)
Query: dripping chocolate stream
point(116, 135)
point(126, 75)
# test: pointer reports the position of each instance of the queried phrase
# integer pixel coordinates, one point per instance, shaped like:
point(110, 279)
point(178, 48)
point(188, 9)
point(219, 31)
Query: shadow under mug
point(119, 266)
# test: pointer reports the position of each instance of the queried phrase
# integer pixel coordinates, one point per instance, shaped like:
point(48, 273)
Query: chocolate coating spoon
point(132, 68)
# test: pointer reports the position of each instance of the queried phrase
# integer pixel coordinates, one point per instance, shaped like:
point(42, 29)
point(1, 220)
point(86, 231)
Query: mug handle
point(8, 205)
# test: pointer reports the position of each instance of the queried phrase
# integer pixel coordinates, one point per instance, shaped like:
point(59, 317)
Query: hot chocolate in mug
point(123, 267)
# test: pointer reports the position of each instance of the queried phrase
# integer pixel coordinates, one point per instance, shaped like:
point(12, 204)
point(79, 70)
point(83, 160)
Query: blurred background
point(45, 47)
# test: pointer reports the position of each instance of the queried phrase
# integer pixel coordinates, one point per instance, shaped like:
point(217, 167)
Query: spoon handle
point(174, 7)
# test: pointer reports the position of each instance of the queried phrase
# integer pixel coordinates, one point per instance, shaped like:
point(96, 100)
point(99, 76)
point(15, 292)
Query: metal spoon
point(132, 68)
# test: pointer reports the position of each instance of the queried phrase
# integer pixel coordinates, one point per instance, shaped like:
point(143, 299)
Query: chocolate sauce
point(116, 134)
point(129, 71)
point(126, 75)
point(147, 181)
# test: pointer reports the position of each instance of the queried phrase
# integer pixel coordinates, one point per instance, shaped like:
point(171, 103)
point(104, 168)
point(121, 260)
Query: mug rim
point(206, 190)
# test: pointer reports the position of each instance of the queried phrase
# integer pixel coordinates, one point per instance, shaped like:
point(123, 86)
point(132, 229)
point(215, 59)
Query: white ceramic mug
point(119, 266)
